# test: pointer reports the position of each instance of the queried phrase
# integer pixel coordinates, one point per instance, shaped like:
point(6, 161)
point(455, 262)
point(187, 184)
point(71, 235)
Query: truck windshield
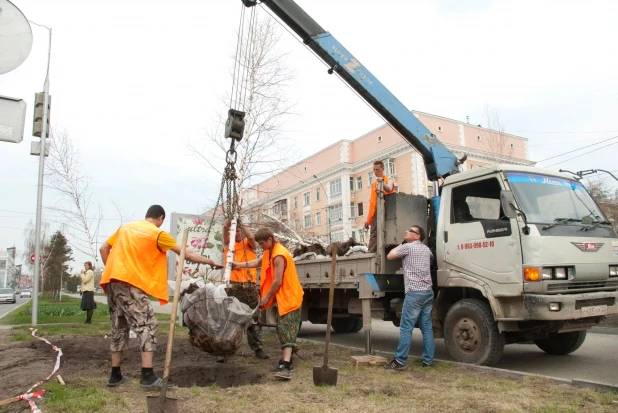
point(546, 198)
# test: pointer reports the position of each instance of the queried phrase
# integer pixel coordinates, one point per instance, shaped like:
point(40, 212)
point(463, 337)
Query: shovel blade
point(158, 404)
point(324, 376)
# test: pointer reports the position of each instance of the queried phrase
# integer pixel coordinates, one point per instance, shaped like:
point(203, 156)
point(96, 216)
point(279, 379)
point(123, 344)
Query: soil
point(246, 293)
point(24, 363)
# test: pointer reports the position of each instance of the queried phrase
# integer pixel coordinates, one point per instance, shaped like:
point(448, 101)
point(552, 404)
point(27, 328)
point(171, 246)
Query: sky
point(134, 83)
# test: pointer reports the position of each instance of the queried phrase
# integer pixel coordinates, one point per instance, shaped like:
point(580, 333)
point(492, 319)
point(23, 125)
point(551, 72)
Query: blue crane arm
point(439, 161)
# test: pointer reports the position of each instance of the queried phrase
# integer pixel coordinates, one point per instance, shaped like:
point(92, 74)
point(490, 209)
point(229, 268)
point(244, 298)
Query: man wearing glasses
point(416, 258)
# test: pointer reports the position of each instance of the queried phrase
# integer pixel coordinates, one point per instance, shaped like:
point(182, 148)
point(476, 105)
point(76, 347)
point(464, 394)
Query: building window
point(318, 218)
point(307, 221)
point(351, 184)
point(359, 182)
point(305, 169)
point(306, 198)
point(317, 194)
point(478, 138)
point(295, 202)
point(439, 128)
point(296, 224)
point(360, 237)
point(336, 213)
point(512, 145)
point(389, 167)
point(370, 179)
point(379, 139)
point(430, 191)
point(360, 209)
point(335, 187)
point(336, 236)
point(352, 210)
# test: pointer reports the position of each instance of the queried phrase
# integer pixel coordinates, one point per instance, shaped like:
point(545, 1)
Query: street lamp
point(327, 209)
point(39, 198)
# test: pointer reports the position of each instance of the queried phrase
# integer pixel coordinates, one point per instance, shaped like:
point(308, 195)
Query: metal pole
point(39, 197)
point(380, 251)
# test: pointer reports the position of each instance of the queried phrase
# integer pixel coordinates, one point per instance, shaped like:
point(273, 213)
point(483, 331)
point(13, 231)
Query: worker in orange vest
point(387, 188)
point(135, 259)
point(279, 284)
point(244, 251)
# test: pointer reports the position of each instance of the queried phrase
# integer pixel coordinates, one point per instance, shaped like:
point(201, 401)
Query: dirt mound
point(344, 247)
point(315, 247)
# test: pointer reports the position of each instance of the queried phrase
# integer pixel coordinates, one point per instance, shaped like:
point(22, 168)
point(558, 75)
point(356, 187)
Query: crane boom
point(439, 161)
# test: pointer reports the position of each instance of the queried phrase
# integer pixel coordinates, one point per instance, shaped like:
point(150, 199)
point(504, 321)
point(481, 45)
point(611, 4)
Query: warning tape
point(33, 406)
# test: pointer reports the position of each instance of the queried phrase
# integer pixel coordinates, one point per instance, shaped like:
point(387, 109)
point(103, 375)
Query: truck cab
point(523, 254)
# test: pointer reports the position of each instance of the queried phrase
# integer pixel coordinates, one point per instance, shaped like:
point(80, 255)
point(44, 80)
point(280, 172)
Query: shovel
point(162, 403)
point(324, 375)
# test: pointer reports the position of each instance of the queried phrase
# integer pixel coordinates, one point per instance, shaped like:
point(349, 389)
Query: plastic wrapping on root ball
point(216, 322)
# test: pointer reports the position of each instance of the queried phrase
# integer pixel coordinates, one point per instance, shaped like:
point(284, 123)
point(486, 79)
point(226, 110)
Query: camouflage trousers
point(130, 309)
point(287, 328)
point(254, 335)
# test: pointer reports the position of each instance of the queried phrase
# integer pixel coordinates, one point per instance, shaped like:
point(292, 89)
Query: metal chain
point(229, 175)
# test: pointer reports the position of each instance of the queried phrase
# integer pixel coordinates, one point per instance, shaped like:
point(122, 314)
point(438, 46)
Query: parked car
point(7, 295)
point(26, 292)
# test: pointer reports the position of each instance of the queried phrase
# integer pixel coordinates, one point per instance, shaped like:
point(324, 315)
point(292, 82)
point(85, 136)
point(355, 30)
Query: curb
point(604, 330)
point(25, 302)
point(513, 374)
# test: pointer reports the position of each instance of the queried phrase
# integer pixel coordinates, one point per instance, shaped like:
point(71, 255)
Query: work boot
point(261, 355)
point(280, 365)
point(423, 364)
point(284, 372)
point(395, 365)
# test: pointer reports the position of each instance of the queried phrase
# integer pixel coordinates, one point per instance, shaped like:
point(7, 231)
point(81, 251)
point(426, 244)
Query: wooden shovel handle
point(170, 338)
point(331, 298)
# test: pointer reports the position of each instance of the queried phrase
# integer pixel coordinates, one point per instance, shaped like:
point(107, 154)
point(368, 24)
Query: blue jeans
point(416, 304)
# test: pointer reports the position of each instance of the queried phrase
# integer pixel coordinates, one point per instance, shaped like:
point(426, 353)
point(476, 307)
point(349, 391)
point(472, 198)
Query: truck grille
point(583, 286)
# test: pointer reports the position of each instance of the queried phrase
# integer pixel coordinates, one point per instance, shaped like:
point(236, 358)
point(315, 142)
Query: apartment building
point(328, 193)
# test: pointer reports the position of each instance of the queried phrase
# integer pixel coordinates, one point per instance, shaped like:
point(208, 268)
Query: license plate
point(594, 311)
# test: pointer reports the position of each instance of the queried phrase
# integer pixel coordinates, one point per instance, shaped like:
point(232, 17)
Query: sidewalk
point(158, 308)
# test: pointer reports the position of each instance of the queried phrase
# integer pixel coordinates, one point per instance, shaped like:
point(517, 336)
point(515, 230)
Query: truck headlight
point(613, 270)
point(547, 273)
point(560, 273)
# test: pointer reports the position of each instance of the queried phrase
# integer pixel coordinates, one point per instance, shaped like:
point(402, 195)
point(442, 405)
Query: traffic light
point(37, 124)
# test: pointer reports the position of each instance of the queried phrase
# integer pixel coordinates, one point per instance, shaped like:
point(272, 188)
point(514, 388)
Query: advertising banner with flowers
point(200, 241)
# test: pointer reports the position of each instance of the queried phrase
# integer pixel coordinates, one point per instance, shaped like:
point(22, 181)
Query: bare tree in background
point(263, 150)
point(494, 138)
point(606, 197)
point(82, 218)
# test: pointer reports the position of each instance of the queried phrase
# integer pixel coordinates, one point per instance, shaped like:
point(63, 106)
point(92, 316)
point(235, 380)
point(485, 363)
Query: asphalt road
point(7, 308)
point(595, 360)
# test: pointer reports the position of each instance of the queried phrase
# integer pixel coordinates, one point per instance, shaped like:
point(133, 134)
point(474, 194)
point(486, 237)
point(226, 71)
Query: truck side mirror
point(507, 200)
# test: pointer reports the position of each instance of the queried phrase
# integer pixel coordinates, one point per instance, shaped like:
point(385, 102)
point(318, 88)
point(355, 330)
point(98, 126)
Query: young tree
point(494, 137)
point(261, 77)
point(82, 218)
point(57, 256)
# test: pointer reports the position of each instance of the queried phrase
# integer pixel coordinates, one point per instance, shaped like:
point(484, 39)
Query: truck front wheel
point(561, 343)
point(471, 334)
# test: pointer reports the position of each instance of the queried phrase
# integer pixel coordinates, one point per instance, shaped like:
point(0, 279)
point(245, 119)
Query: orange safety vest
point(240, 274)
point(374, 196)
point(290, 294)
point(135, 258)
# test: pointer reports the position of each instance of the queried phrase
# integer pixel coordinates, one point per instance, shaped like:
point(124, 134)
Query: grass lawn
point(65, 311)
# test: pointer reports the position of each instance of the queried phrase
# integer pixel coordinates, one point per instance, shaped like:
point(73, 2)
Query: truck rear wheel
point(471, 334)
point(562, 343)
point(347, 325)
